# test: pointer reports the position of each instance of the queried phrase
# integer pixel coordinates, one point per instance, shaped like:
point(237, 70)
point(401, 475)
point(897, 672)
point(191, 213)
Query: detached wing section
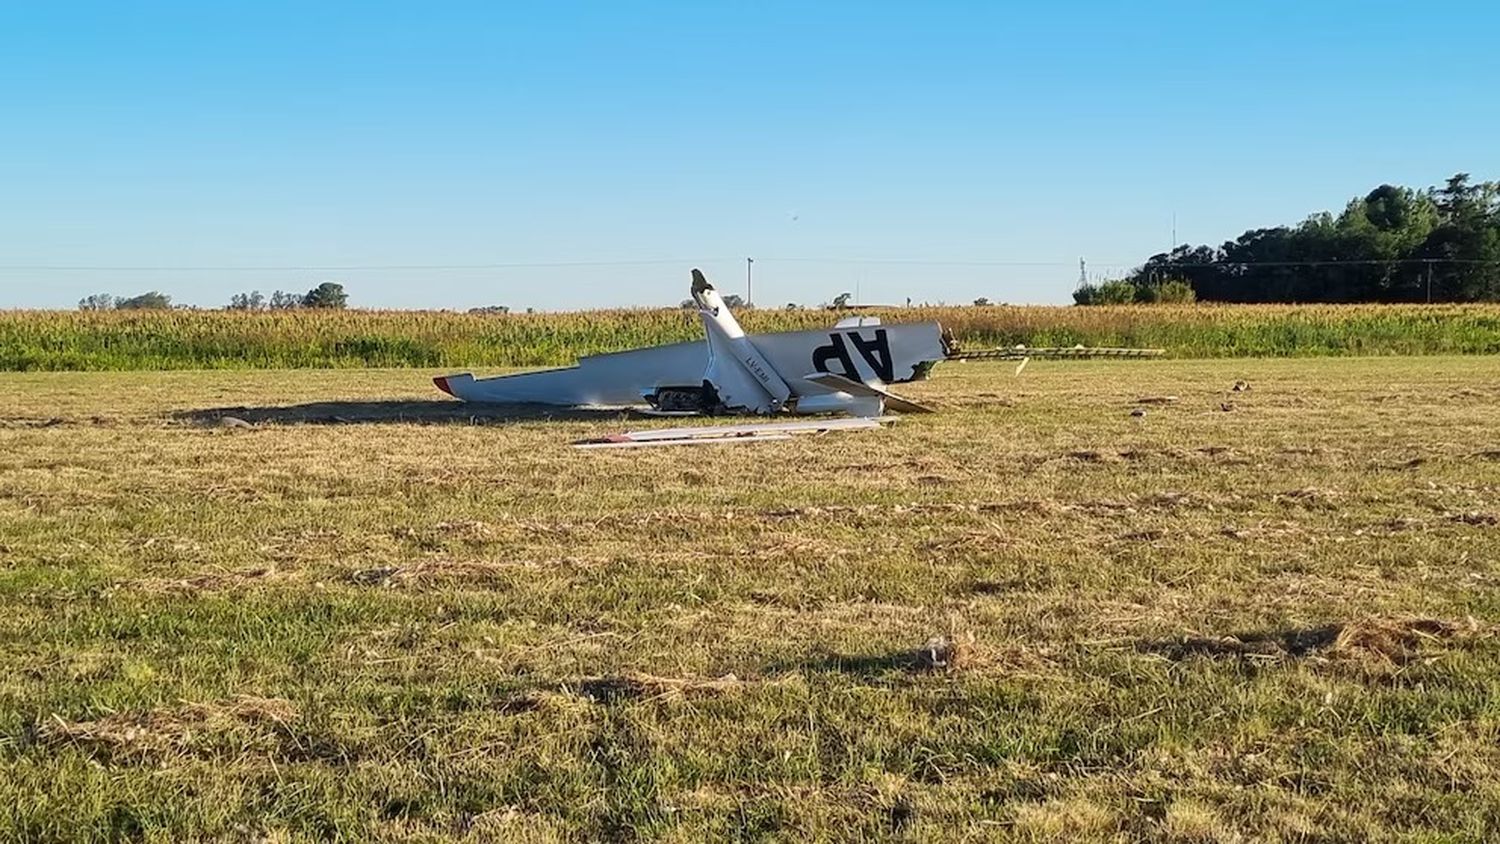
point(613, 380)
point(1055, 353)
point(839, 383)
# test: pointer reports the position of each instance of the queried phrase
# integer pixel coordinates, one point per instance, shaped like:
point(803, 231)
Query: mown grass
point(51, 341)
point(374, 616)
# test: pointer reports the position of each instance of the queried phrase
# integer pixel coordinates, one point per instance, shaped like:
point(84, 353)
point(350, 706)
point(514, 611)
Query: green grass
point(1193, 625)
point(131, 340)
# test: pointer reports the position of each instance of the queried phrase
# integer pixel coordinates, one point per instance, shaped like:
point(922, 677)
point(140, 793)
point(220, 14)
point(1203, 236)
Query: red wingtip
point(442, 384)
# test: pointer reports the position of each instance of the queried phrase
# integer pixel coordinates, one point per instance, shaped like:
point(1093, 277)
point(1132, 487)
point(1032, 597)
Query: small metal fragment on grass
point(945, 653)
point(374, 577)
point(1156, 400)
point(1138, 412)
point(233, 422)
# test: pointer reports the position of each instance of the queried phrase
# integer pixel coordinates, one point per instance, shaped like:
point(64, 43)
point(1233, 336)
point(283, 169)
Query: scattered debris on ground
point(1156, 400)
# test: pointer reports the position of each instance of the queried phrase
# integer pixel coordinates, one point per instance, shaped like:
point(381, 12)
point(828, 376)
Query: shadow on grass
point(407, 412)
point(1395, 640)
point(870, 666)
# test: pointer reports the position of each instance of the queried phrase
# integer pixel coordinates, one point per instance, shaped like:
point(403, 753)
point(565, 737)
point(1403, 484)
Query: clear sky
point(941, 151)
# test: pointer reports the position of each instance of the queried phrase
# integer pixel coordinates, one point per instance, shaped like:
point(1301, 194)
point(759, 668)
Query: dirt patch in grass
point(1310, 496)
point(1096, 456)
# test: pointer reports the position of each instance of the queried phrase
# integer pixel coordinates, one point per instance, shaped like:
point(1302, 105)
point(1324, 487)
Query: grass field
point(373, 616)
point(162, 340)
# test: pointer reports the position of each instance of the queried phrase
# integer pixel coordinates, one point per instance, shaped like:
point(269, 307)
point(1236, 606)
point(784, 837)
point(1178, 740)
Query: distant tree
point(145, 302)
point(1394, 244)
point(329, 294)
point(982, 302)
point(687, 305)
point(491, 309)
point(1105, 293)
point(734, 300)
point(251, 301)
point(792, 306)
point(97, 302)
point(842, 300)
point(282, 301)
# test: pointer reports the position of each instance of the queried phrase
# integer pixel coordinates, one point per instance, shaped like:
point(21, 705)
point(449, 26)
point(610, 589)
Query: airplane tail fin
point(742, 375)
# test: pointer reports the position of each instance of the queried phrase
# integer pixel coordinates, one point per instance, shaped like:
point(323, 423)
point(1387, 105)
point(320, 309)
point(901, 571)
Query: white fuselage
point(763, 373)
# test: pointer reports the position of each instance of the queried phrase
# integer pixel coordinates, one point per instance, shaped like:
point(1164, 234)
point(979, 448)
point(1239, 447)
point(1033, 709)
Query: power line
point(690, 261)
point(347, 267)
point(918, 262)
point(502, 266)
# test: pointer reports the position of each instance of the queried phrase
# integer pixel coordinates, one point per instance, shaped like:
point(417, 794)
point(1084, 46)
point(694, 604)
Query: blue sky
point(941, 151)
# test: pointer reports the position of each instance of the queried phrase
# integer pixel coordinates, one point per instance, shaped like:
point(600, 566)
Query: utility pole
point(1083, 273)
point(749, 263)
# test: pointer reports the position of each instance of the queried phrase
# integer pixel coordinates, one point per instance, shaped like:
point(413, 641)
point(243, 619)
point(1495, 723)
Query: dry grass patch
point(176, 730)
point(949, 629)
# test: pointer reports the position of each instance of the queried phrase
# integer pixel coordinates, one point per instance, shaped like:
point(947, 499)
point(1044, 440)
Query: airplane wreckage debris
point(708, 434)
point(846, 369)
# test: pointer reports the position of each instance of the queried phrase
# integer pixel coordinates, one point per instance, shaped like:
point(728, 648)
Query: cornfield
point(121, 340)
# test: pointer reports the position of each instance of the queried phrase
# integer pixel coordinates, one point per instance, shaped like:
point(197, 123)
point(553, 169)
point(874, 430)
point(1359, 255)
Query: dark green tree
point(329, 294)
point(1394, 244)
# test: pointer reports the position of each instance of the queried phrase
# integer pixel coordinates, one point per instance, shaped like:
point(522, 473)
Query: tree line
point(1394, 244)
point(329, 294)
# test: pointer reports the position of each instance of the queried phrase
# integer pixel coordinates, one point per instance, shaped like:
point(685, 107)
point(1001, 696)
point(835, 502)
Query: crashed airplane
point(845, 369)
